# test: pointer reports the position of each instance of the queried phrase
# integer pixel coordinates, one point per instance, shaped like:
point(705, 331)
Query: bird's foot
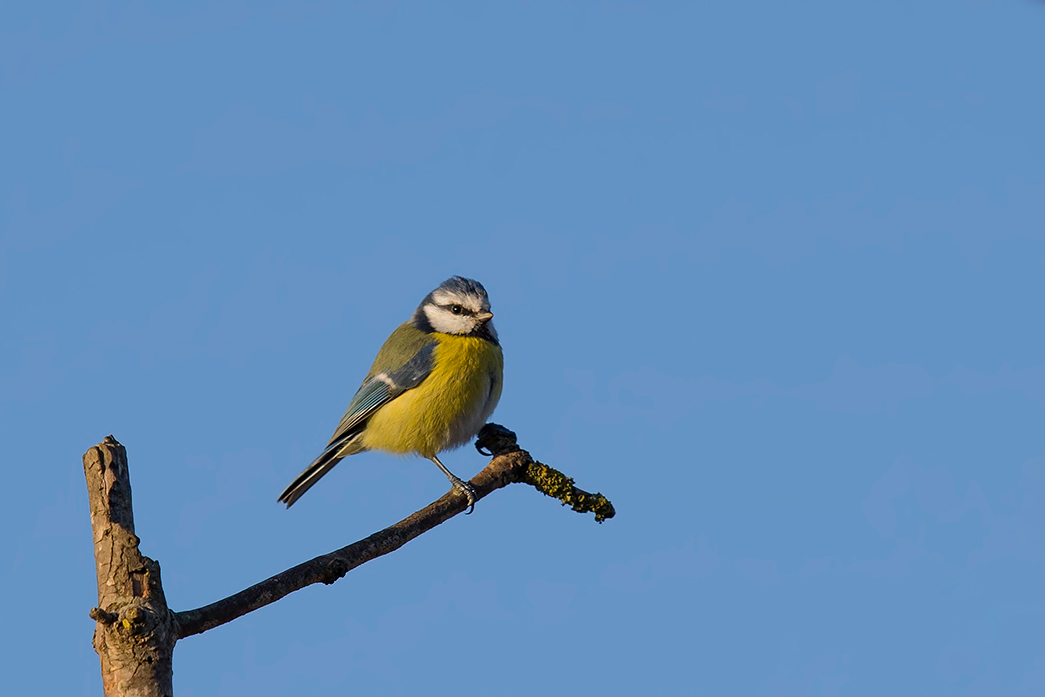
point(463, 486)
point(467, 489)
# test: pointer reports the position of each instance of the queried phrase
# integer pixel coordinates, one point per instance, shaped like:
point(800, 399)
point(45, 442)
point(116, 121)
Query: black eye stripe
point(458, 309)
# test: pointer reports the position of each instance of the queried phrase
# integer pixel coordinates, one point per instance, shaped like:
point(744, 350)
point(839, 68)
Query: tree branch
point(509, 465)
point(135, 632)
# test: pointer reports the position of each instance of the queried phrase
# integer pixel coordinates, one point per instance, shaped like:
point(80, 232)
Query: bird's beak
point(484, 317)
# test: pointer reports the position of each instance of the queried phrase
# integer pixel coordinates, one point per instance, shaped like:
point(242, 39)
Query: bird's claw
point(468, 490)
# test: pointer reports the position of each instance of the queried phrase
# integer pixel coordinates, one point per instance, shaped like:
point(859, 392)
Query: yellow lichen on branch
point(497, 440)
point(552, 482)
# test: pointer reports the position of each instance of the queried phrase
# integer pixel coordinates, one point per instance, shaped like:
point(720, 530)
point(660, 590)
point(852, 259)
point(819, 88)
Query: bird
point(434, 383)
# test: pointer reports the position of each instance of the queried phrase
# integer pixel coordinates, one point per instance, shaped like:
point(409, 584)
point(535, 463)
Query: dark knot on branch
point(494, 440)
point(336, 569)
point(99, 615)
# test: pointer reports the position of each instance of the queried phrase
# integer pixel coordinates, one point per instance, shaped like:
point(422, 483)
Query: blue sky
point(768, 275)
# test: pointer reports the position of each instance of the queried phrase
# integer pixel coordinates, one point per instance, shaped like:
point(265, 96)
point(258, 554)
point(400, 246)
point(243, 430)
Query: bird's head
point(458, 306)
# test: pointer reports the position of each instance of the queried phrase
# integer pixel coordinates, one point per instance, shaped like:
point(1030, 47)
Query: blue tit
point(433, 385)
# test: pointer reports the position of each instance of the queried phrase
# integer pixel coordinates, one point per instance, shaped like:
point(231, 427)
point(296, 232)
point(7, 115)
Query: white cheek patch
point(446, 322)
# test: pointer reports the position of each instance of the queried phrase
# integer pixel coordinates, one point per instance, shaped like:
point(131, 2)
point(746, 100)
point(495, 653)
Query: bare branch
point(509, 465)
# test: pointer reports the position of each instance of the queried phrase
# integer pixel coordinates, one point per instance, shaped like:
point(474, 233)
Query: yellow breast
point(449, 407)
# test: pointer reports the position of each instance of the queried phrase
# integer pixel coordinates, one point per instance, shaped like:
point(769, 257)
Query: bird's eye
point(456, 309)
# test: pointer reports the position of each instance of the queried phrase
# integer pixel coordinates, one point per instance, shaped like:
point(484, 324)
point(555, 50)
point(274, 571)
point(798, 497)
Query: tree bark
point(134, 635)
point(136, 631)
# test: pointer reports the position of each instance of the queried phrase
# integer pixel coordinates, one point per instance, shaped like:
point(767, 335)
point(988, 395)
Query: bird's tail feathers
point(334, 453)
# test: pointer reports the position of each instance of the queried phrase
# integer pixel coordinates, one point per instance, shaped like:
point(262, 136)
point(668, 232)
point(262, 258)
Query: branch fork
point(136, 631)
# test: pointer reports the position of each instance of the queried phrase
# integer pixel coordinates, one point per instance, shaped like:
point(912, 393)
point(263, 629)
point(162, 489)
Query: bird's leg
point(458, 483)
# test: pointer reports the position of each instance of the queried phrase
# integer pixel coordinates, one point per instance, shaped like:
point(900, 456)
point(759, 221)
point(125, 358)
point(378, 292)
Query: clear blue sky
point(769, 275)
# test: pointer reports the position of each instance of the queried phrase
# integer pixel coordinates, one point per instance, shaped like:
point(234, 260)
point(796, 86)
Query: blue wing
point(376, 391)
point(381, 389)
